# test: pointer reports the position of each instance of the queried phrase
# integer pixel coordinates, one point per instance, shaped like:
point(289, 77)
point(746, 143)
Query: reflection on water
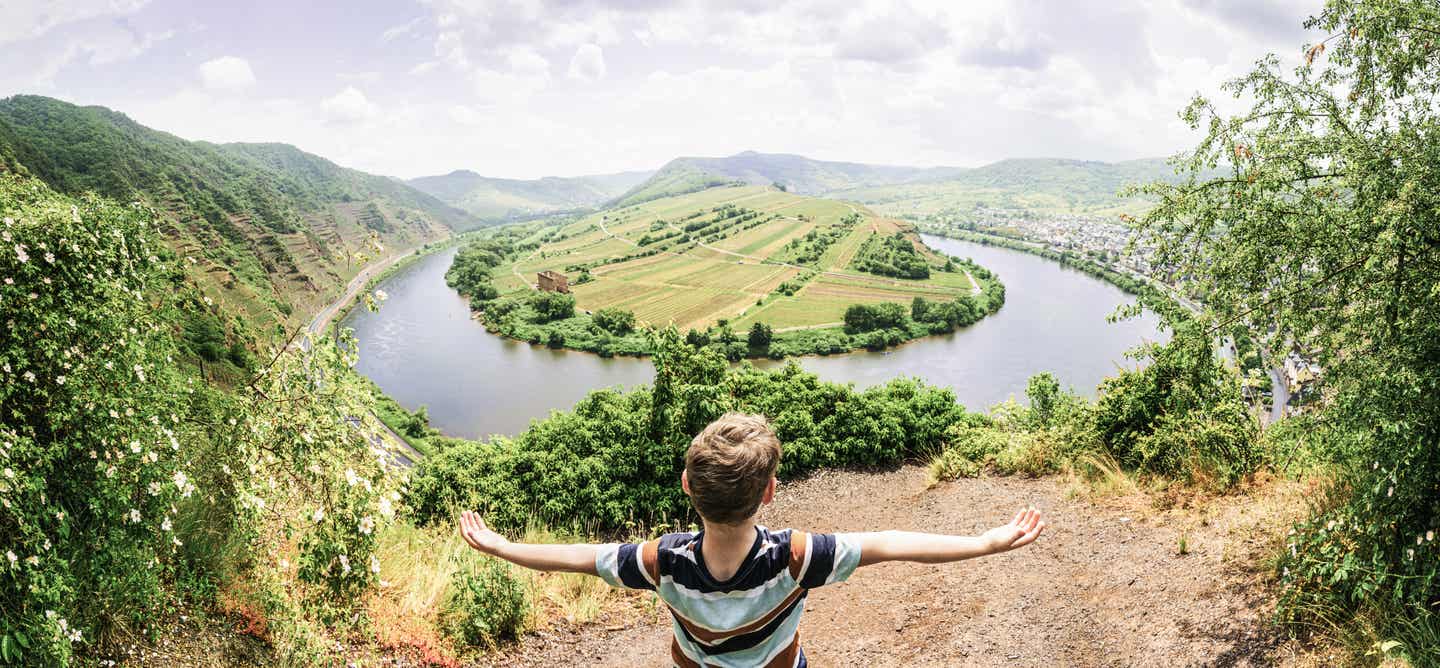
point(423, 349)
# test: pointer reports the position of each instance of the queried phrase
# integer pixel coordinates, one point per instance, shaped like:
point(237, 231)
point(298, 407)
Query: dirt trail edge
point(1106, 585)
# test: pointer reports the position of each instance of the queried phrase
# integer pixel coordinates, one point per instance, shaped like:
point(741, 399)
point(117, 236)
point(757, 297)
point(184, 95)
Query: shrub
point(614, 320)
point(485, 604)
point(552, 306)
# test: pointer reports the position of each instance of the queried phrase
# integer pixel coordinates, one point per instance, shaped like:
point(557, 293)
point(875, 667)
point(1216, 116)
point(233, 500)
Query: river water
point(423, 349)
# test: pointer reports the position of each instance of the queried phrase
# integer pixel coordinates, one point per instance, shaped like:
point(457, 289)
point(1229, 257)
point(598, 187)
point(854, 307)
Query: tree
point(614, 320)
point(552, 306)
point(760, 336)
point(1322, 235)
point(1043, 391)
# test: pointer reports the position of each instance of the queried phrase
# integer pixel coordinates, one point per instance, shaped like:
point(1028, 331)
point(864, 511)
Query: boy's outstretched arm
point(571, 558)
point(933, 548)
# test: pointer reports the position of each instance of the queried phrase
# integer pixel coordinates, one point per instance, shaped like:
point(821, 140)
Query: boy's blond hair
point(729, 465)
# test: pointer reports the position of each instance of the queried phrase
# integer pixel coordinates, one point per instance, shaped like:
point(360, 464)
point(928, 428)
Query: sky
point(530, 88)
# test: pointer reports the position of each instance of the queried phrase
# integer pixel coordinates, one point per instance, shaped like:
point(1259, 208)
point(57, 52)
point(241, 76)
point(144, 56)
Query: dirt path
point(1105, 586)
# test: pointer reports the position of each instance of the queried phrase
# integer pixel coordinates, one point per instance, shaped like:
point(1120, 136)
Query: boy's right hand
point(479, 536)
point(1021, 531)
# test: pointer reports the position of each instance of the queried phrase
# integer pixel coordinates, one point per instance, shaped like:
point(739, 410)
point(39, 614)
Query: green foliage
point(760, 336)
point(90, 465)
point(616, 321)
point(1322, 235)
point(1043, 391)
point(1179, 416)
point(124, 484)
point(552, 306)
point(617, 457)
point(486, 604)
point(469, 272)
point(893, 255)
point(870, 317)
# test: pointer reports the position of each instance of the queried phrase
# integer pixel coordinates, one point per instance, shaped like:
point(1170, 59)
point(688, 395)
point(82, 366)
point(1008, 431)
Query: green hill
point(796, 173)
point(493, 199)
point(271, 229)
point(1038, 185)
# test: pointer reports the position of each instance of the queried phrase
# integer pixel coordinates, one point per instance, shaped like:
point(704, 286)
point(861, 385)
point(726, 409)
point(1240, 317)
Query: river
point(423, 349)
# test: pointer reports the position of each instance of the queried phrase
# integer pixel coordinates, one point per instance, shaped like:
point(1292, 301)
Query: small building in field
point(553, 281)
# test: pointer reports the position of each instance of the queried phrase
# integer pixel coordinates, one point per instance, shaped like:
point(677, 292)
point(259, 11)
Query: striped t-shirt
point(751, 619)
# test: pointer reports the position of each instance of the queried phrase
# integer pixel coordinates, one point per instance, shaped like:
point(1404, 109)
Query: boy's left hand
point(479, 536)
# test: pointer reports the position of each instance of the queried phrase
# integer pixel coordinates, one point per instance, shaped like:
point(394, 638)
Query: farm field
point(723, 254)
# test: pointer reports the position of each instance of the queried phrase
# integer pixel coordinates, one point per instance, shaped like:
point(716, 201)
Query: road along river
point(423, 348)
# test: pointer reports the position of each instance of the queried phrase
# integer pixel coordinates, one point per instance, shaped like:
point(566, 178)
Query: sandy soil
point(1107, 585)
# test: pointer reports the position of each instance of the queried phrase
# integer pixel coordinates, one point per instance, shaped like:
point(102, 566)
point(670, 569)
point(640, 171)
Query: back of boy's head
point(729, 464)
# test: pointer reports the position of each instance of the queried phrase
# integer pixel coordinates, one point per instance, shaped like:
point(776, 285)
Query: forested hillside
point(273, 231)
point(795, 173)
point(494, 200)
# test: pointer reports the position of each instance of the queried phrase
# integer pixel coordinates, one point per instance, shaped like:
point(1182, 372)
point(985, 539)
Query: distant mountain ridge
point(1049, 185)
point(273, 229)
point(497, 199)
point(796, 173)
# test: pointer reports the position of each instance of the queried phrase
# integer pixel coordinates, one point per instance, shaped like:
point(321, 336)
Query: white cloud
point(349, 106)
point(28, 19)
point(227, 73)
point(587, 63)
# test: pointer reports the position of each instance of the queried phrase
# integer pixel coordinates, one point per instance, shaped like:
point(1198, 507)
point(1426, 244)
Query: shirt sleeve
point(625, 565)
point(832, 558)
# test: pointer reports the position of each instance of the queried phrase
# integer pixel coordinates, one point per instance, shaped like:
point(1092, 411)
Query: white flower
point(351, 478)
point(345, 564)
point(32, 560)
point(152, 456)
point(60, 379)
point(135, 447)
point(367, 524)
point(284, 564)
point(1429, 536)
point(75, 635)
point(50, 257)
point(386, 510)
point(21, 254)
point(154, 488)
point(1410, 553)
point(140, 373)
point(10, 556)
point(9, 473)
point(165, 526)
point(1390, 492)
point(180, 480)
point(381, 295)
point(318, 515)
point(134, 516)
point(30, 376)
point(374, 565)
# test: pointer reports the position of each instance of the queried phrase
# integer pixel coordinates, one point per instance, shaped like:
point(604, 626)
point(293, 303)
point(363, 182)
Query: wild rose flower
point(374, 565)
point(134, 516)
point(165, 526)
point(318, 516)
point(29, 376)
point(351, 478)
point(345, 564)
point(21, 254)
point(367, 524)
point(386, 510)
point(10, 557)
point(50, 257)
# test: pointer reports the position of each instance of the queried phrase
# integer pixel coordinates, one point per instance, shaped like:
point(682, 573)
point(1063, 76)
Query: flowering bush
point(91, 457)
point(112, 461)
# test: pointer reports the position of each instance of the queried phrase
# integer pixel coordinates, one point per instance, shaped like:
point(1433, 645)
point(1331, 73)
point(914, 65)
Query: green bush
point(486, 604)
point(617, 457)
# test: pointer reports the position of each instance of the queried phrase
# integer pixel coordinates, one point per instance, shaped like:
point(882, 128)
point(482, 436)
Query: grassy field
point(723, 253)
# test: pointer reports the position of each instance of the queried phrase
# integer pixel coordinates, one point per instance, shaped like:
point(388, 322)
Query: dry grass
point(417, 566)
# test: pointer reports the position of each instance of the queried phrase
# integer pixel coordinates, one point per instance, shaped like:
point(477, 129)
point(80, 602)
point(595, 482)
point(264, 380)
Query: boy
point(735, 590)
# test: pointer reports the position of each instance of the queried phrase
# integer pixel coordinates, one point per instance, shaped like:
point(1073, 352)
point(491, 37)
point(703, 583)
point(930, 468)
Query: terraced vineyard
point(743, 254)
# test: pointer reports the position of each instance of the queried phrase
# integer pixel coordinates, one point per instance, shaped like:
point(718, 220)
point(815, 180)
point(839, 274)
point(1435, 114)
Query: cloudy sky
point(528, 88)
